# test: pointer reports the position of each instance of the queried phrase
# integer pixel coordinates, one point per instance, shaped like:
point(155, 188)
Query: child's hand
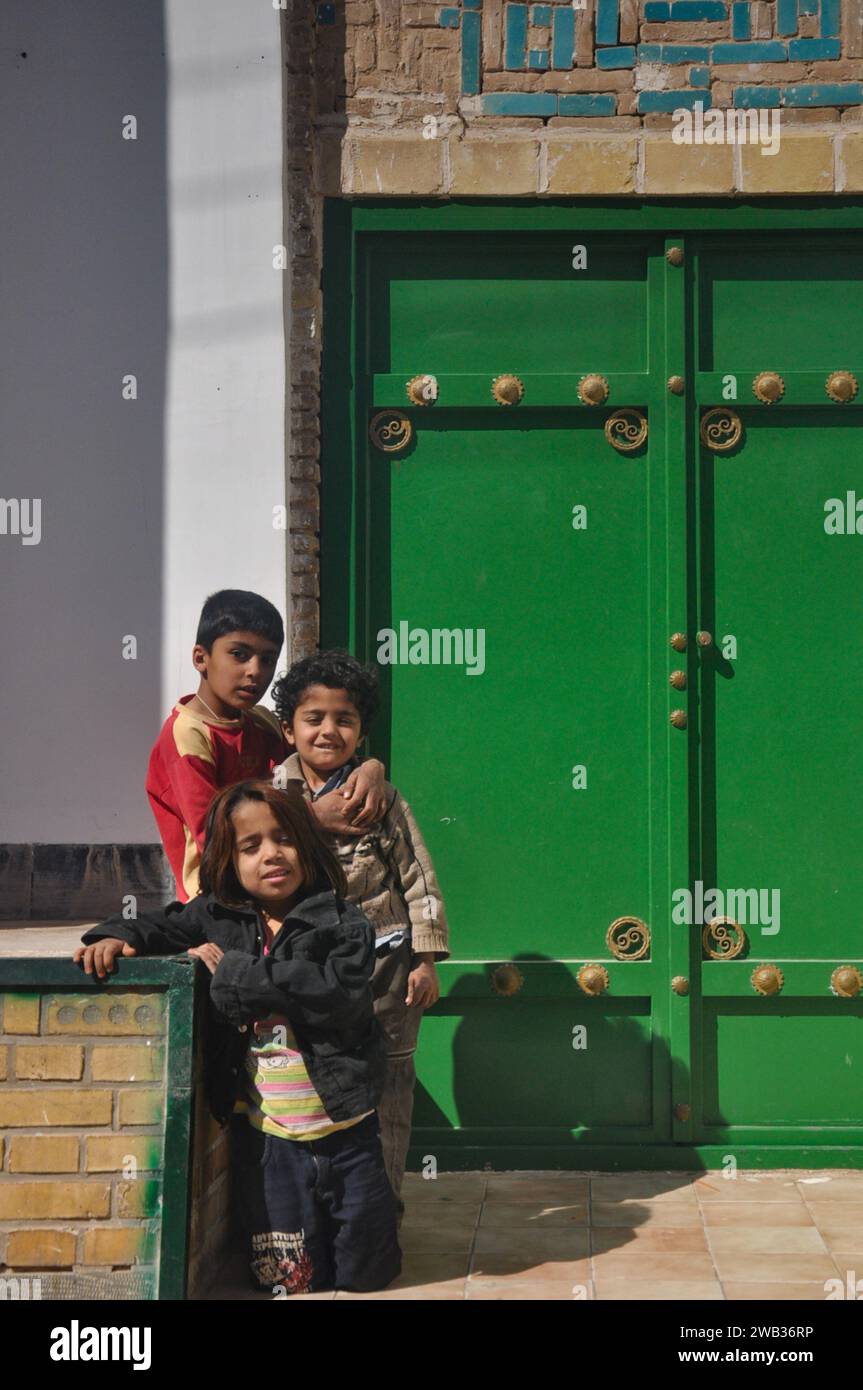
point(209, 953)
point(101, 954)
point(423, 986)
point(360, 803)
point(363, 792)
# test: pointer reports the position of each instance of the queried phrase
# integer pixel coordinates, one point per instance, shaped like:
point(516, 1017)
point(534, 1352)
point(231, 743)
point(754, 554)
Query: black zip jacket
point(318, 973)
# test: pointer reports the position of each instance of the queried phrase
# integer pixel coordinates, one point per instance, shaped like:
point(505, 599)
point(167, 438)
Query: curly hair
point(336, 669)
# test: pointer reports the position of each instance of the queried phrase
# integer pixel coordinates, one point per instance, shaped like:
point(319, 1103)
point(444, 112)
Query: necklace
point(232, 719)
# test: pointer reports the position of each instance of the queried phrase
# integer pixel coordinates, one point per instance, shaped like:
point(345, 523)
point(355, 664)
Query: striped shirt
point(278, 1096)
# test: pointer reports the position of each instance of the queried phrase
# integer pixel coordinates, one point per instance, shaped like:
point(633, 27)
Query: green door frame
point(345, 541)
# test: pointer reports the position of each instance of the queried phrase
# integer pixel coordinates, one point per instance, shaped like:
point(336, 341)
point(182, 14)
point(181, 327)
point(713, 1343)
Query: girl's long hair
point(321, 869)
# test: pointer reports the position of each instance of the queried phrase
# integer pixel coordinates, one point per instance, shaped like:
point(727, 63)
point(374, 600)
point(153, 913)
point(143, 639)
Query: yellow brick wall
point(82, 1125)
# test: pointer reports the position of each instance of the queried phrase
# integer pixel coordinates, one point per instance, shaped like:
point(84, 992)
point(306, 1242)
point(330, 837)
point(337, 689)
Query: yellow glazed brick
point(135, 1199)
point(21, 1013)
point(804, 164)
point(107, 1014)
point(493, 166)
point(851, 159)
point(670, 168)
point(108, 1153)
point(592, 164)
point(50, 1063)
point(41, 1249)
point(115, 1245)
point(391, 166)
point(141, 1107)
point(54, 1107)
point(68, 1200)
point(43, 1153)
point(114, 1063)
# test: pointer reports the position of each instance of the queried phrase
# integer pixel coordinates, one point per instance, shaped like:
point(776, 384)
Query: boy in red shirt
point(221, 735)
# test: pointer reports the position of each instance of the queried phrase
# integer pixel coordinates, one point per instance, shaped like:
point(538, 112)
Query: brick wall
point(490, 98)
point(82, 1122)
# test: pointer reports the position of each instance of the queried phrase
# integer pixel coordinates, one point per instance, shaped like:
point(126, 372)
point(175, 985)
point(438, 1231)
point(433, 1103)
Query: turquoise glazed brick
point(520, 104)
point(471, 32)
point(538, 59)
point(472, 4)
point(808, 6)
point(541, 15)
point(656, 11)
point(699, 77)
point(587, 104)
point(786, 16)
point(649, 52)
point(563, 38)
point(810, 50)
point(829, 19)
point(741, 28)
point(747, 98)
point(606, 21)
point(672, 101)
point(762, 51)
point(698, 9)
point(449, 19)
point(680, 53)
point(824, 94)
point(516, 37)
point(623, 57)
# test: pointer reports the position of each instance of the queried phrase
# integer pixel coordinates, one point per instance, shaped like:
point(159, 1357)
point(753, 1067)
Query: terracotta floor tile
point(657, 1187)
point(645, 1213)
point(836, 1190)
point(654, 1290)
point(527, 1269)
point(766, 1239)
point(778, 1269)
point(443, 1267)
point(741, 1214)
point(537, 1216)
point(849, 1263)
point(446, 1240)
point(777, 1292)
point(537, 1187)
point(448, 1187)
point(433, 1216)
point(631, 1263)
point(535, 1290)
point(839, 1235)
point(645, 1238)
point(416, 1293)
point(851, 1213)
point(743, 1188)
point(563, 1243)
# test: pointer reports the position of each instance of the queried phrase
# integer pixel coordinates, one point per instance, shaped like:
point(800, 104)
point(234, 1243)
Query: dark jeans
point(315, 1213)
point(401, 1024)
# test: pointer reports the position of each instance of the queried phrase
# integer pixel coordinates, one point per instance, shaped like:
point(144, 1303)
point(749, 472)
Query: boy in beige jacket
point(326, 703)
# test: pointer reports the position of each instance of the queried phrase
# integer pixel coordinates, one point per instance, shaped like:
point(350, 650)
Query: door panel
point(474, 532)
point(781, 697)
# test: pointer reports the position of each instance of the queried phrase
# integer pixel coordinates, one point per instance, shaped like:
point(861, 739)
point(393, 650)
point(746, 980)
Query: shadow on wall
point(84, 313)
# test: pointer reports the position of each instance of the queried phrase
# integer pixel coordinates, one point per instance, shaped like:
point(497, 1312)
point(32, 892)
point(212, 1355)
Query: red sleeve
point(193, 783)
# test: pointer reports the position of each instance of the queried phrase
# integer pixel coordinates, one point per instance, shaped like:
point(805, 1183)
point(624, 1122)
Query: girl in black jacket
point(297, 1060)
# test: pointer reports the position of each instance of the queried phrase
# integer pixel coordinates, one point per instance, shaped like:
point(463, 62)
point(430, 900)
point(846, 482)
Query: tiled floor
point(765, 1235)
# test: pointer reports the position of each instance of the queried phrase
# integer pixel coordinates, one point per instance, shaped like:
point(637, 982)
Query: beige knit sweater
point(389, 870)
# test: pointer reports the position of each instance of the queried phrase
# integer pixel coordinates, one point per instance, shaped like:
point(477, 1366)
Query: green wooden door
point(519, 580)
point(781, 693)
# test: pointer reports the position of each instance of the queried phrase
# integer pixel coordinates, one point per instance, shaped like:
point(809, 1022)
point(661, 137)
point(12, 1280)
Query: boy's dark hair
point(238, 610)
point(321, 869)
point(336, 669)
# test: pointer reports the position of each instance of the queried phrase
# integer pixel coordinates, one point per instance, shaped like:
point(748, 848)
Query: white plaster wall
point(154, 257)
